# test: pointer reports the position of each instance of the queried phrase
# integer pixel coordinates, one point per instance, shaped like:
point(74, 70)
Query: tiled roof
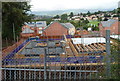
point(28, 30)
point(41, 23)
point(66, 25)
point(37, 24)
point(108, 23)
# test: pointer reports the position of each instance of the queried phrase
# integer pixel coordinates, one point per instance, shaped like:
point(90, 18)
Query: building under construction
point(37, 57)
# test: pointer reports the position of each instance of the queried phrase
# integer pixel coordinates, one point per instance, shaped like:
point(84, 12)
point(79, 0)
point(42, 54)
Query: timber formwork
point(32, 54)
point(63, 58)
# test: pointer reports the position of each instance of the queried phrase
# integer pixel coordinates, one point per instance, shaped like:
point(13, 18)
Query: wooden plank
point(23, 47)
point(102, 47)
point(69, 52)
point(85, 48)
point(65, 38)
point(77, 48)
point(41, 55)
point(89, 48)
point(80, 47)
point(52, 56)
point(57, 64)
point(73, 48)
point(19, 56)
point(99, 48)
point(62, 55)
point(93, 48)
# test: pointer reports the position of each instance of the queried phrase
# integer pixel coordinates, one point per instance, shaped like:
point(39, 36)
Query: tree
point(48, 20)
point(88, 13)
point(105, 19)
point(98, 12)
point(72, 22)
point(71, 15)
point(56, 17)
point(107, 15)
point(64, 17)
point(99, 18)
point(86, 21)
point(14, 13)
point(115, 15)
point(82, 19)
point(84, 15)
point(118, 10)
point(81, 13)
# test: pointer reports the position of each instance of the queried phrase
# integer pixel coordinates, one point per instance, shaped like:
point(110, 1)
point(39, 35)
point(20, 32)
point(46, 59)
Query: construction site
point(42, 54)
point(66, 58)
point(69, 40)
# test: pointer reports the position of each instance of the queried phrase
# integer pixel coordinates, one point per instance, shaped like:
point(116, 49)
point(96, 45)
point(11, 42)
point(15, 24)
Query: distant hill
point(59, 12)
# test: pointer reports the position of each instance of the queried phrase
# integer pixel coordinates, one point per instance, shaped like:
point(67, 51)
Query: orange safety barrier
point(9, 49)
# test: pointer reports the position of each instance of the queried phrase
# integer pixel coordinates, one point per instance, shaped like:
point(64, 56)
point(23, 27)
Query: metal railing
point(52, 65)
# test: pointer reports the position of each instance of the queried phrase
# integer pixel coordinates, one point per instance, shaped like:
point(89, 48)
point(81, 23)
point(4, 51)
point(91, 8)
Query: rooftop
point(66, 25)
point(28, 30)
point(108, 23)
point(37, 24)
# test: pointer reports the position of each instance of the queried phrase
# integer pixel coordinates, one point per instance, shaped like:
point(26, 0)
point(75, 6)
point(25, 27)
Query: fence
point(57, 59)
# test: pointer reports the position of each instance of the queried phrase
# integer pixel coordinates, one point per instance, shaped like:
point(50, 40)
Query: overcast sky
point(45, 5)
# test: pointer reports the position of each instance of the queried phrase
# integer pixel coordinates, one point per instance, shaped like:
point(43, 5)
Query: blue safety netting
point(84, 59)
point(11, 61)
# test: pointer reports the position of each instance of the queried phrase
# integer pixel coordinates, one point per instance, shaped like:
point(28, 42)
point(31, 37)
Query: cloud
point(44, 5)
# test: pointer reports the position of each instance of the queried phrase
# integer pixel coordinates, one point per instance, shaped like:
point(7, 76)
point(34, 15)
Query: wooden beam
point(93, 48)
point(23, 48)
point(77, 48)
point(80, 47)
point(89, 48)
point(102, 46)
point(57, 64)
point(85, 48)
point(99, 48)
point(73, 48)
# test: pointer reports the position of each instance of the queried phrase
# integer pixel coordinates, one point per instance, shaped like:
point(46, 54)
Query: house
point(111, 25)
point(57, 19)
point(74, 17)
point(89, 29)
point(59, 29)
point(28, 31)
point(33, 28)
point(39, 24)
point(94, 18)
point(115, 18)
point(77, 19)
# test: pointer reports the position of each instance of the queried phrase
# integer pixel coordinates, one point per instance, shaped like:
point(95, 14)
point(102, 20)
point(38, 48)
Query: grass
point(93, 23)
